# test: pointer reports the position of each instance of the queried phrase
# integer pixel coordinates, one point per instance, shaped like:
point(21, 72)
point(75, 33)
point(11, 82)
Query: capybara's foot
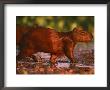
point(53, 66)
point(72, 65)
point(34, 58)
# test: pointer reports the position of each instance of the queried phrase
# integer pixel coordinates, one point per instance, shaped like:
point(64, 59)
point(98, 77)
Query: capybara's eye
point(82, 32)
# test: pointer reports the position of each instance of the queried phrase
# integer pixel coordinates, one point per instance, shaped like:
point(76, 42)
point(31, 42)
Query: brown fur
point(20, 32)
point(48, 40)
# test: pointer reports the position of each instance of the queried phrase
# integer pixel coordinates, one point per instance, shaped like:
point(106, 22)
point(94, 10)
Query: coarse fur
point(47, 40)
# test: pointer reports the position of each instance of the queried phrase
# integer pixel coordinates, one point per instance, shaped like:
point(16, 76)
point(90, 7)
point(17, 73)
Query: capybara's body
point(41, 40)
point(21, 30)
point(49, 41)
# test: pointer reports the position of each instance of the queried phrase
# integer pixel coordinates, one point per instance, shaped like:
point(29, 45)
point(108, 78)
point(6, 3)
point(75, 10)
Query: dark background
point(57, 1)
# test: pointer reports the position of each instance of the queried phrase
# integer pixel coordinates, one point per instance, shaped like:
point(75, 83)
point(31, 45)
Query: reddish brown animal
point(49, 41)
point(21, 30)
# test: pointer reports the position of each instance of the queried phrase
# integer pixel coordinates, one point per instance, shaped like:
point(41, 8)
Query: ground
point(84, 64)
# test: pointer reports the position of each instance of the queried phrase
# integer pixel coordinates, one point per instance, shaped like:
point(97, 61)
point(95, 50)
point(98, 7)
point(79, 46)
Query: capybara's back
point(41, 40)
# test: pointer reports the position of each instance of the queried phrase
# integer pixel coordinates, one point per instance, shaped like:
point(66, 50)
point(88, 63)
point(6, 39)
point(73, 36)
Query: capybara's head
point(79, 35)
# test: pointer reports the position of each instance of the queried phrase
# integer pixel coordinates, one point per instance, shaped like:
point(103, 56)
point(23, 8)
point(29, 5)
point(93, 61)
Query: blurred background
point(60, 23)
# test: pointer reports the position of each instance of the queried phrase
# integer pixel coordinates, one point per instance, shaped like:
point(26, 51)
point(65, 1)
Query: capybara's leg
point(53, 59)
point(35, 58)
point(25, 53)
point(68, 49)
point(69, 54)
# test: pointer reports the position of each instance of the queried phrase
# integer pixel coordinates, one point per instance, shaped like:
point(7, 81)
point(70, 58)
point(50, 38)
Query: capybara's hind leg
point(25, 53)
point(53, 59)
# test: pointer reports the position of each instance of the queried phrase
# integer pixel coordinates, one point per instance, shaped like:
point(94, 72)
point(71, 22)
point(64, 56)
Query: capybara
point(48, 40)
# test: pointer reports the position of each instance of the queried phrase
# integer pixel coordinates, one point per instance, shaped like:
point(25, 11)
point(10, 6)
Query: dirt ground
point(84, 64)
point(25, 67)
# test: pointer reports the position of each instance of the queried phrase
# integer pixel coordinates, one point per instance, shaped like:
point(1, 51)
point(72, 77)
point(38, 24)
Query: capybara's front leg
point(68, 49)
point(69, 54)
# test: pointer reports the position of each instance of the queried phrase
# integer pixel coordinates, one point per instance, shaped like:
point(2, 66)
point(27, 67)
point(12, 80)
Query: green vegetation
point(60, 23)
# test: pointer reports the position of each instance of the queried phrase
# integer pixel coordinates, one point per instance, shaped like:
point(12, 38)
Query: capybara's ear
point(78, 29)
point(74, 29)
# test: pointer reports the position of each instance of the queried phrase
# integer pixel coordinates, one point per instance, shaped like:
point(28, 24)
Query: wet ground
point(84, 63)
point(38, 68)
